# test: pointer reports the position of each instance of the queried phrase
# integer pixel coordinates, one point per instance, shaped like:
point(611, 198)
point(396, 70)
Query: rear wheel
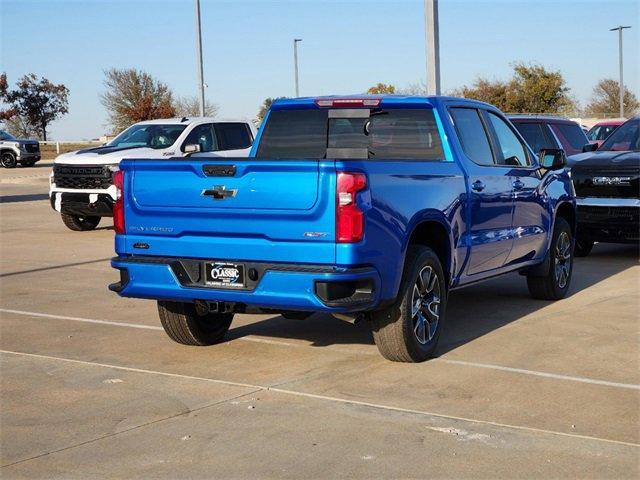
point(409, 330)
point(583, 247)
point(185, 324)
point(78, 223)
point(555, 284)
point(8, 160)
point(28, 163)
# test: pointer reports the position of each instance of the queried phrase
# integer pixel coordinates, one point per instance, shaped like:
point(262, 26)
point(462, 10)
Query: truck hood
point(106, 155)
point(113, 155)
point(605, 159)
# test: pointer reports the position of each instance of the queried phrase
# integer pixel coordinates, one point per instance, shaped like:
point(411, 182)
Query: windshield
point(6, 136)
point(152, 136)
point(393, 134)
point(625, 137)
point(600, 132)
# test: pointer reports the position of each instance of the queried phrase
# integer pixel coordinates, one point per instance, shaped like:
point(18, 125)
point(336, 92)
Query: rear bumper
point(277, 286)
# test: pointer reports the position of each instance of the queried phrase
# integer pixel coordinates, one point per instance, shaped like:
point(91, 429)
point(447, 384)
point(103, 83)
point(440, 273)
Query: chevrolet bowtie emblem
point(219, 192)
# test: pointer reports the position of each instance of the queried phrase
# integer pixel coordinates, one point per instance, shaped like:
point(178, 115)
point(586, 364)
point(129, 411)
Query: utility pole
point(619, 29)
point(295, 63)
point(432, 46)
point(199, 58)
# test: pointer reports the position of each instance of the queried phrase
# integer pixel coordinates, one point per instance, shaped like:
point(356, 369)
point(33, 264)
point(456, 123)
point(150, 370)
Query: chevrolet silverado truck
point(607, 185)
point(17, 151)
point(367, 208)
point(80, 184)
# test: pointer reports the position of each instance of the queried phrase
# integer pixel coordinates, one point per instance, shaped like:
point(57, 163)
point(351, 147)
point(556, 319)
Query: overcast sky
point(347, 46)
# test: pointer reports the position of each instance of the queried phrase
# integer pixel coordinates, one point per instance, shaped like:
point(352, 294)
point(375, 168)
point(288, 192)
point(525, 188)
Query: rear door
point(490, 196)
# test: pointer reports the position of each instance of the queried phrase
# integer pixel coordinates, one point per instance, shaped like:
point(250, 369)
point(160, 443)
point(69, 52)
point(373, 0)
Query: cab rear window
point(386, 134)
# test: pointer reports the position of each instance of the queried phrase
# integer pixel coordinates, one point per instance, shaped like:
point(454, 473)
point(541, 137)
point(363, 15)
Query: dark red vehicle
point(542, 132)
point(601, 130)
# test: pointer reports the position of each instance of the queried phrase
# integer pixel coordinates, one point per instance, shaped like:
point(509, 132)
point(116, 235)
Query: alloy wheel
point(563, 259)
point(425, 305)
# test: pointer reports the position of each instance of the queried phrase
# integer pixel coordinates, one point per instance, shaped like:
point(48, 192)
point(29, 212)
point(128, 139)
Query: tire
point(80, 224)
point(28, 163)
point(8, 160)
point(397, 330)
point(183, 324)
point(583, 247)
point(555, 284)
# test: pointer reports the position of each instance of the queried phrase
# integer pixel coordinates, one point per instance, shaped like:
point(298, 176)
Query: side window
point(233, 136)
point(202, 135)
point(536, 134)
point(473, 135)
point(571, 136)
point(511, 151)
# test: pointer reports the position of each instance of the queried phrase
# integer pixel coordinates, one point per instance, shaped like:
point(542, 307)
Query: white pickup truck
point(81, 189)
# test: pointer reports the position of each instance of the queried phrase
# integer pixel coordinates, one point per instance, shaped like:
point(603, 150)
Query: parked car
point(542, 132)
point(601, 130)
point(607, 185)
point(17, 151)
point(81, 189)
point(367, 208)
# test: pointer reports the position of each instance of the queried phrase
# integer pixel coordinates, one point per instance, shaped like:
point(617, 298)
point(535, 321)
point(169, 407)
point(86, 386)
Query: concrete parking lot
point(91, 387)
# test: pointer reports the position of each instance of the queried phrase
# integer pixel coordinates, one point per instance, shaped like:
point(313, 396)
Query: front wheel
point(8, 160)
point(555, 284)
point(78, 223)
point(409, 330)
point(185, 324)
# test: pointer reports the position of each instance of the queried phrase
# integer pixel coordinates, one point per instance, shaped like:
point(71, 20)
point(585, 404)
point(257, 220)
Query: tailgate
point(231, 208)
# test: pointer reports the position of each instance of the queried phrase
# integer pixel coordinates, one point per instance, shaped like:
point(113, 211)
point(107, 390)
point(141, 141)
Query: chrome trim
point(608, 202)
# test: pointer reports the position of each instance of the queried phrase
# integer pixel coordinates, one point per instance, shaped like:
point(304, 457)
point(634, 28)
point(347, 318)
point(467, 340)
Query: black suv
point(607, 184)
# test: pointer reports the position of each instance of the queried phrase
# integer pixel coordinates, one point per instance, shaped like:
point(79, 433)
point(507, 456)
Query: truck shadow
point(472, 312)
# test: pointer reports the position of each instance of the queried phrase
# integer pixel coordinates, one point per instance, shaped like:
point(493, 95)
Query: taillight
point(349, 218)
point(347, 102)
point(118, 207)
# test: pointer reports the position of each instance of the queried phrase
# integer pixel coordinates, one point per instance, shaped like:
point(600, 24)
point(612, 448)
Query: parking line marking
point(326, 398)
point(488, 366)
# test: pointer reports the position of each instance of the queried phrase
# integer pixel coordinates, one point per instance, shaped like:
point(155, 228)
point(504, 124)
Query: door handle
point(518, 185)
point(477, 186)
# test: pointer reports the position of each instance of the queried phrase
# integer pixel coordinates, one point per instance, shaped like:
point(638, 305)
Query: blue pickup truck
point(363, 207)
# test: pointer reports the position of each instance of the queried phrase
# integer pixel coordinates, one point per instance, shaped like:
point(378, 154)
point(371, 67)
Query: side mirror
point(552, 158)
point(590, 147)
point(191, 149)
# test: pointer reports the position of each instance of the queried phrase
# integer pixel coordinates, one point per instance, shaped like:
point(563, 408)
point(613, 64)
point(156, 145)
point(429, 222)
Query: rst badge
point(611, 181)
point(224, 275)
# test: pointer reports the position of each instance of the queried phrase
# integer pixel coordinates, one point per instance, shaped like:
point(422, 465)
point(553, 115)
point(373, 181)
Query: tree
point(381, 88)
point(133, 96)
point(190, 107)
point(605, 99)
point(18, 126)
point(37, 103)
point(266, 105)
point(531, 89)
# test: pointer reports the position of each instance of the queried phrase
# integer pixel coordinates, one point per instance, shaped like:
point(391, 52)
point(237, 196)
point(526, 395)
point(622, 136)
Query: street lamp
point(199, 59)
point(619, 29)
point(432, 46)
point(295, 63)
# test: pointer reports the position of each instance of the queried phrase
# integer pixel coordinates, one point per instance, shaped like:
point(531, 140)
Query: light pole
point(295, 63)
point(619, 29)
point(199, 58)
point(432, 42)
